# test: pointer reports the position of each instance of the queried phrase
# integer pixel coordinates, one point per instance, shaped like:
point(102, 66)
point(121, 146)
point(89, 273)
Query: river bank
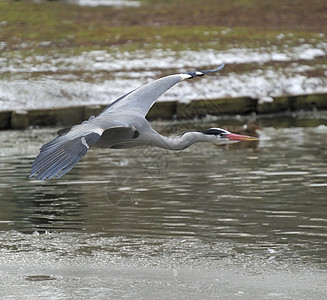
point(171, 110)
point(56, 55)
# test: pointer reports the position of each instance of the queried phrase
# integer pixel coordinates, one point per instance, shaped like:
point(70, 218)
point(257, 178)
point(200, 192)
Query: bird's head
point(222, 136)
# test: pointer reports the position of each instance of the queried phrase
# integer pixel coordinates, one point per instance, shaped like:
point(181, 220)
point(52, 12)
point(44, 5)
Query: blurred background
point(205, 223)
point(63, 53)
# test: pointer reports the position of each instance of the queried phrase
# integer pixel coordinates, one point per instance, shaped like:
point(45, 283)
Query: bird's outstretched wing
point(141, 100)
point(60, 155)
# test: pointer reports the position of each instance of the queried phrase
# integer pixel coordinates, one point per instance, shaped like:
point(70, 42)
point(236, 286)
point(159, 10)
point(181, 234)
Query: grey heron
point(122, 124)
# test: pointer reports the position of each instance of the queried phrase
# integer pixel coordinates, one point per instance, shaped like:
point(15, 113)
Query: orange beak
point(239, 137)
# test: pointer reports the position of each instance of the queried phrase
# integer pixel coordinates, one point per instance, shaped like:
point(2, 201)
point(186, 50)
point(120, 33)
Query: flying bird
point(122, 124)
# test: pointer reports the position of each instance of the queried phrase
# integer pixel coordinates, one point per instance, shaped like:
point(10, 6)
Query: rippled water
point(210, 208)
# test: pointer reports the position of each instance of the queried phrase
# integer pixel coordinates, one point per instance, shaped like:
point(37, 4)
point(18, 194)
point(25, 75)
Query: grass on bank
point(176, 25)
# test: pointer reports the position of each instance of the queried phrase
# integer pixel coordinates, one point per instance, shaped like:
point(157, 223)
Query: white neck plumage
point(180, 143)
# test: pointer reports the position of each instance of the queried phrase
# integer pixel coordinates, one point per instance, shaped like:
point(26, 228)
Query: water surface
point(208, 222)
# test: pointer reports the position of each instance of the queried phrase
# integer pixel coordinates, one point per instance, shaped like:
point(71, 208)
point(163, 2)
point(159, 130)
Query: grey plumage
point(121, 125)
point(61, 154)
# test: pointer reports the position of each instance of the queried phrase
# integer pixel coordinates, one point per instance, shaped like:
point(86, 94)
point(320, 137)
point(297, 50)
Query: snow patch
point(117, 3)
point(64, 86)
point(265, 100)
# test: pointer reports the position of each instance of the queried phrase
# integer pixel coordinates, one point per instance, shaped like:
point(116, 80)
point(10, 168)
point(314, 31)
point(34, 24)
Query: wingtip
point(189, 75)
point(219, 68)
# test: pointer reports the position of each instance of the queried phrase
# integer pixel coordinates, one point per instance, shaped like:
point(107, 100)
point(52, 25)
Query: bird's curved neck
point(178, 143)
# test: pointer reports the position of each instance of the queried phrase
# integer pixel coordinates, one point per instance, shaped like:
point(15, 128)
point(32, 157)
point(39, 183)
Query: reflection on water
point(268, 201)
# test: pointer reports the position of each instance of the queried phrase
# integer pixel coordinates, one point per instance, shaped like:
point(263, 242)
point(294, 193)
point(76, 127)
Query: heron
point(123, 124)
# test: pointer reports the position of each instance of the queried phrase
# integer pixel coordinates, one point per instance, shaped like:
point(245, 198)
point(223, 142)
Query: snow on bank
point(117, 3)
point(96, 61)
point(60, 80)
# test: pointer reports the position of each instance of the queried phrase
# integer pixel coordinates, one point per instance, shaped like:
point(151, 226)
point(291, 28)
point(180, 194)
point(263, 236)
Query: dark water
point(206, 223)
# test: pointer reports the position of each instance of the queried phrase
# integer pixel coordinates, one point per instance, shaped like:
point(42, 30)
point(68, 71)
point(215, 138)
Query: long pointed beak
point(239, 137)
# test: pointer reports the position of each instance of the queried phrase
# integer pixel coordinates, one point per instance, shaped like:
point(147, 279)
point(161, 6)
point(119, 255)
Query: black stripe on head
point(213, 131)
